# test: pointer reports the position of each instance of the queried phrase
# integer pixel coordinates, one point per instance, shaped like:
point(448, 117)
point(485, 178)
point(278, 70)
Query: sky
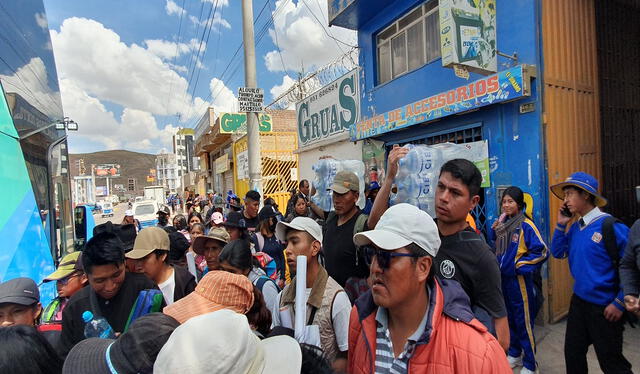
point(132, 72)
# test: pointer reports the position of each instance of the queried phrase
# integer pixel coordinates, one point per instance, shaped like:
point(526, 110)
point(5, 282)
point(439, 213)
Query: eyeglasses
point(383, 257)
point(65, 281)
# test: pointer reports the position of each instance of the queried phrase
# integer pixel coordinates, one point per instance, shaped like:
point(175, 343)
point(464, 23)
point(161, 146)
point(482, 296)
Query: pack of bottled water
point(325, 171)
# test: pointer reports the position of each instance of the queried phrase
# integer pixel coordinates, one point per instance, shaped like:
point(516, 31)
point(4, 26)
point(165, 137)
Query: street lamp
point(68, 124)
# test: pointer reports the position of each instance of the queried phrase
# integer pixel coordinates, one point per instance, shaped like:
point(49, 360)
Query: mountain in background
point(133, 165)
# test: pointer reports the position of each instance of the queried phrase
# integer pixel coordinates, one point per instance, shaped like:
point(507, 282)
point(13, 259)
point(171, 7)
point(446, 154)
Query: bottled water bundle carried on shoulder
point(325, 171)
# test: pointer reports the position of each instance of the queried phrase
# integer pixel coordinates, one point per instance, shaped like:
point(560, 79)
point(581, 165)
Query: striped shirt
point(386, 362)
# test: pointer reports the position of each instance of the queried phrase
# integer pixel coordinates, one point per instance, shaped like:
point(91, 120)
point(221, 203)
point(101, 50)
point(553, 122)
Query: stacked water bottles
point(325, 170)
point(417, 177)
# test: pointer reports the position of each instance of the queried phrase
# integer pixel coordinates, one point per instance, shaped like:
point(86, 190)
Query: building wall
point(515, 140)
point(283, 120)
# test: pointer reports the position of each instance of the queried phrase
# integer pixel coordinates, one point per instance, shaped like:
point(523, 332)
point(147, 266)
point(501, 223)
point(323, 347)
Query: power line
point(175, 56)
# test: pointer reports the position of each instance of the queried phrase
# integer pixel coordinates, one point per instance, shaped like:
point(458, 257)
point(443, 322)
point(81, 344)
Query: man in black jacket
point(112, 292)
point(151, 255)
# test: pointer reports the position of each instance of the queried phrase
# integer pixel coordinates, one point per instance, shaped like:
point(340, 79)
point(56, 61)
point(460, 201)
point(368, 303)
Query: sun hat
point(215, 233)
point(345, 181)
point(135, 351)
point(401, 225)
point(22, 291)
point(68, 265)
point(583, 181)
point(222, 342)
point(301, 224)
point(216, 290)
point(148, 240)
point(217, 218)
point(235, 219)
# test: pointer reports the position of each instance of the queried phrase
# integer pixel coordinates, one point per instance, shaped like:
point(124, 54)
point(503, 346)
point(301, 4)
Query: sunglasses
point(382, 257)
point(65, 281)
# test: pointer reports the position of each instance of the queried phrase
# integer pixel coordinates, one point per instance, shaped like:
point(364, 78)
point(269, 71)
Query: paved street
point(118, 215)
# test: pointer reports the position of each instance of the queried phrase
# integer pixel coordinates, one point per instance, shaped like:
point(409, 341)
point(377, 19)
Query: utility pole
point(253, 134)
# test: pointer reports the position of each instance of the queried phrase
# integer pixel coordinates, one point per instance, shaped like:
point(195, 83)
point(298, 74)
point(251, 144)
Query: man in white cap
point(328, 306)
point(409, 321)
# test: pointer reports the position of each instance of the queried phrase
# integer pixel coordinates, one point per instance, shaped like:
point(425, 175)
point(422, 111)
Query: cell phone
point(566, 212)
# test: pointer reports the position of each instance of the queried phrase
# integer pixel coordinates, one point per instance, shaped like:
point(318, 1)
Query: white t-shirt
point(339, 315)
point(168, 287)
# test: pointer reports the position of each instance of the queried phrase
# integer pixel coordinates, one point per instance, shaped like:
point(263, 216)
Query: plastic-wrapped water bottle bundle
point(325, 171)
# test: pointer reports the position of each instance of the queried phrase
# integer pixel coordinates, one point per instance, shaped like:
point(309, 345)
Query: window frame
point(427, 11)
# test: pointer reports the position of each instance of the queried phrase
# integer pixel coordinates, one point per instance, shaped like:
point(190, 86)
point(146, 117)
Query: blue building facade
point(513, 129)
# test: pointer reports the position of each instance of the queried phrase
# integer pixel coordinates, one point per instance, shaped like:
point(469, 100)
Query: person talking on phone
point(520, 251)
point(596, 309)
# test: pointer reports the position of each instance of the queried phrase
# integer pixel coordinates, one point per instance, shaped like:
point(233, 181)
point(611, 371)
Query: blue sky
point(122, 81)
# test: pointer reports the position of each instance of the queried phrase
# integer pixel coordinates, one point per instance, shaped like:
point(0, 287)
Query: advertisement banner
point(222, 164)
point(101, 190)
point(468, 34)
point(243, 165)
point(504, 86)
point(329, 111)
point(373, 155)
point(236, 123)
point(107, 170)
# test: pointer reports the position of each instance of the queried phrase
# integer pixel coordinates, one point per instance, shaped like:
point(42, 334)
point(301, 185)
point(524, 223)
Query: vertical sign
point(251, 99)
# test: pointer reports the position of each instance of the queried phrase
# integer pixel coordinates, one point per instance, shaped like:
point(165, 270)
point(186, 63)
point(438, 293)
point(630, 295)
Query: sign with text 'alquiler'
point(251, 100)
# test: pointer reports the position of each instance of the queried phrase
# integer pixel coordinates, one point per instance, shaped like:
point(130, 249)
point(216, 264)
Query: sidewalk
point(550, 355)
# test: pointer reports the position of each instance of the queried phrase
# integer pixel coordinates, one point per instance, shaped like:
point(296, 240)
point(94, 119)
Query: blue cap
point(87, 316)
point(374, 186)
point(582, 181)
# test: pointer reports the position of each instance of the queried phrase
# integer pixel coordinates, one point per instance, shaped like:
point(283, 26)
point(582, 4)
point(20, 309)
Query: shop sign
point(222, 164)
point(236, 123)
point(468, 34)
point(250, 99)
point(242, 163)
point(331, 110)
point(504, 86)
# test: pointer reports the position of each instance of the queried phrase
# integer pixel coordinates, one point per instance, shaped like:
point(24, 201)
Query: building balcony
point(352, 14)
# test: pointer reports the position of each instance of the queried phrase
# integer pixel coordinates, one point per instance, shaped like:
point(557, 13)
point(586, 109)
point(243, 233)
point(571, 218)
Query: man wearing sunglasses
point(69, 278)
point(411, 322)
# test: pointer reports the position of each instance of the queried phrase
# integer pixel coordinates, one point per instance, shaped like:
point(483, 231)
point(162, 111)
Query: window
point(131, 185)
point(410, 42)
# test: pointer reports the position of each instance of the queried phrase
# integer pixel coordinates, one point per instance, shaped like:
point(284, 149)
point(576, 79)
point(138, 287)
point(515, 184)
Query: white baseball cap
point(301, 224)
point(401, 225)
point(128, 213)
point(222, 342)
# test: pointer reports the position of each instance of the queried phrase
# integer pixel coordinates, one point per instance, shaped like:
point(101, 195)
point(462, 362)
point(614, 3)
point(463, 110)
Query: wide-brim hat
point(215, 233)
point(582, 181)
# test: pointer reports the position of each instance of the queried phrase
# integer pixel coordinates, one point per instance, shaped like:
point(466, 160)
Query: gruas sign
point(330, 111)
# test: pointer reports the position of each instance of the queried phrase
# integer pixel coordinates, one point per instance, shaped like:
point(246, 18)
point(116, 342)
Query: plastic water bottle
point(97, 327)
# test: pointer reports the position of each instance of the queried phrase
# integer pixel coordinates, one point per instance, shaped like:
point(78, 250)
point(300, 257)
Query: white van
point(145, 212)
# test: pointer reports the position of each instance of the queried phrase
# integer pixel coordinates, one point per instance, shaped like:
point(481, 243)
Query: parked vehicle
point(155, 193)
point(107, 209)
point(145, 212)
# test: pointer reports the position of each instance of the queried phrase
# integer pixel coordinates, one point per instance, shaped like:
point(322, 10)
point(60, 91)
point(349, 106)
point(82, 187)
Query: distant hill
point(132, 165)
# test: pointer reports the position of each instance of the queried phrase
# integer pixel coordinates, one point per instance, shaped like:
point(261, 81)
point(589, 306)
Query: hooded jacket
point(452, 341)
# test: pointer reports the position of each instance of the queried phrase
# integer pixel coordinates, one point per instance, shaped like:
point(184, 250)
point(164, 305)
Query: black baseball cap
point(266, 212)
point(21, 291)
point(135, 351)
point(235, 219)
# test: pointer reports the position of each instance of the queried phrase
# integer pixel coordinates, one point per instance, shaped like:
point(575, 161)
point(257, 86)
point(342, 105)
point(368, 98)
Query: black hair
point(314, 361)
point(592, 198)
point(105, 248)
point(259, 315)
point(182, 222)
point(200, 225)
point(467, 172)
point(178, 247)
point(237, 253)
point(416, 250)
point(195, 214)
point(26, 351)
point(270, 201)
point(302, 182)
point(160, 252)
point(518, 196)
point(252, 195)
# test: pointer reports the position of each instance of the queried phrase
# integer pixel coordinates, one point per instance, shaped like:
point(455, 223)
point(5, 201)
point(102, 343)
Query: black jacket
point(185, 283)
point(630, 263)
point(116, 310)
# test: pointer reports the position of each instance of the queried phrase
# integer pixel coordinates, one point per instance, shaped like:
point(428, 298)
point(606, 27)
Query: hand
point(612, 313)
point(632, 303)
point(562, 219)
point(495, 224)
point(392, 161)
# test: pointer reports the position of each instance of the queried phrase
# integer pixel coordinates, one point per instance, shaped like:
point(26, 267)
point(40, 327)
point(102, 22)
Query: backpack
point(611, 245)
point(148, 301)
point(268, 264)
point(264, 279)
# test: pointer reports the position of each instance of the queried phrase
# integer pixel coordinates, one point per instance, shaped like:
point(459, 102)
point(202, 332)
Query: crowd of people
point(388, 289)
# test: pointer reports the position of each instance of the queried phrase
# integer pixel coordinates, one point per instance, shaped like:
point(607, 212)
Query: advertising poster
point(243, 165)
point(373, 155)
point(329, 111)
point(468, 34)
point(101, 190)
point(107, 170)
point(504, 86)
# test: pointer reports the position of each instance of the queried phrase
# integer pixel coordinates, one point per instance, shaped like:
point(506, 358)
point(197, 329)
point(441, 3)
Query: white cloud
point(167, 50)
point(99, 63)
point(220, 2)
point(41, 20)
point(302, 40)
point(30, 82)
point(214, 21)
point(136, 129)
point(223, 98)
point(172, 8)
